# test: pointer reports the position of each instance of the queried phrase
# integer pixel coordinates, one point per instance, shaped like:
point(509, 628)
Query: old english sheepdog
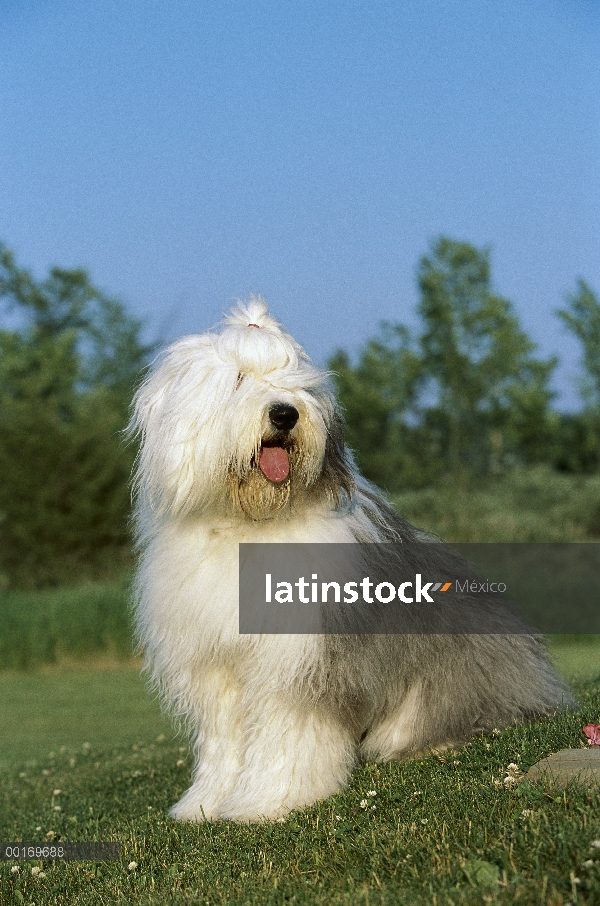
point(241, 440)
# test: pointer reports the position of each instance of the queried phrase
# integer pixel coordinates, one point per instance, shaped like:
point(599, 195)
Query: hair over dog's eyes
point(240, 378)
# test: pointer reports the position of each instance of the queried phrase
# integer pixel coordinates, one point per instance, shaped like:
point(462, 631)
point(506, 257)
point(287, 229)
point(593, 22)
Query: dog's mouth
point(274, 462)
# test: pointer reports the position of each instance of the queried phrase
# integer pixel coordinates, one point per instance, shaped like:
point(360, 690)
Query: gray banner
point(425, 587)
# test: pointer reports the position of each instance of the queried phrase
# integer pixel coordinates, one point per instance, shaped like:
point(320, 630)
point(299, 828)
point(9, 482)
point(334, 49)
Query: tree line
point(68, 366)
point(467, 395)
point(464, 395)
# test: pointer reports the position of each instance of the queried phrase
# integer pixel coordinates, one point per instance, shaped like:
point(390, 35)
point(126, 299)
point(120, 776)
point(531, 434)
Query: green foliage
point(467, 395)
point(582, 317)
point(105, 342)
point(64, 624)
point(67, 372)
point(536, 504)
point(490, 390)
point(578, 435)
point(375, 395)
point(577, 442)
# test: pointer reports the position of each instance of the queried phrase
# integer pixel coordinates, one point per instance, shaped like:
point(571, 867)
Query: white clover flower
point(363, 803)
point(595, 844)
point(372, 793)
point(526, 813)
point(56, 808)
point(57, 792)
point(132, 866)
point(35, 870)
point(39, 827)
point(15, 870)
point(41, 874)
point(513, 775)
point(180, 763)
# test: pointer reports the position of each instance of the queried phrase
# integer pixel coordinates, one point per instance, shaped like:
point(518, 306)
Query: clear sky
point(190, 152)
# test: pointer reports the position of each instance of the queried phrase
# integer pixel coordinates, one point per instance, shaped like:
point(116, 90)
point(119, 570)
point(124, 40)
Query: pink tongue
point(274, 463)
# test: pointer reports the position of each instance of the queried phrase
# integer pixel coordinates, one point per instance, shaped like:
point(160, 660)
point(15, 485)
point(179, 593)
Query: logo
point(385, 592)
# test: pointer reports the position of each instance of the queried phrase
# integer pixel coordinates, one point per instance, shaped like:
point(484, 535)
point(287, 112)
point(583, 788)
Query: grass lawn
point(47, 708)
point(437, 831)
point(577, 658)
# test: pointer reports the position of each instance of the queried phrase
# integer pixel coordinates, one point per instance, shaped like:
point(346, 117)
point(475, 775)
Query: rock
point(581, 766)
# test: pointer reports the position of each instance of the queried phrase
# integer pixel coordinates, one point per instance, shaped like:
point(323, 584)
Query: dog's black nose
point(283, 417)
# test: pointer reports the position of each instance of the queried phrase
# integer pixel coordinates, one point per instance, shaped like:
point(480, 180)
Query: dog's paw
point(195, 808)
point(250, 809)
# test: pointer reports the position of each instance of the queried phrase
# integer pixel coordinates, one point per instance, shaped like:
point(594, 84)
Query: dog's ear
point(173, 415)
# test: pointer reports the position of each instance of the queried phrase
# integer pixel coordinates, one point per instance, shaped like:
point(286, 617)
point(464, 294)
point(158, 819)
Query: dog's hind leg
point(395, 735)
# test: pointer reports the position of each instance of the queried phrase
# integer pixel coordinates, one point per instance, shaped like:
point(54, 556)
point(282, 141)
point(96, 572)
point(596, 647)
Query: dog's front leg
point(216, 711)
point(293, 753)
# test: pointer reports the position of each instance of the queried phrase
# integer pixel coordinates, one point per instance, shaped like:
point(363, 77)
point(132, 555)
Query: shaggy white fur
point(242, 441)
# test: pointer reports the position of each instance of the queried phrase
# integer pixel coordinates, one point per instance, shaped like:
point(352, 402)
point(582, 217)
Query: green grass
point(440, 833)
point(577, 658)
point(46, 709)
point(63, 624)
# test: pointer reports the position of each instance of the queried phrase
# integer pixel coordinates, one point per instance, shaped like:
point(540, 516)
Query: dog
point(242, 441)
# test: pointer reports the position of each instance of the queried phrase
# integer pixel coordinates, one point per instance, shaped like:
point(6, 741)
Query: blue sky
point(188, 153)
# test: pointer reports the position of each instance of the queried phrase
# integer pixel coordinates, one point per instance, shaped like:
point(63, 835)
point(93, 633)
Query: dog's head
point(239, 419)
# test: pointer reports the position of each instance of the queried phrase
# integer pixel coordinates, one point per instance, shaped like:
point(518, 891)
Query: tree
point(582, 317)
point(466, 394)
point(489, 389)
point(377, 395)
point(67, 372)
point(579, 437)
